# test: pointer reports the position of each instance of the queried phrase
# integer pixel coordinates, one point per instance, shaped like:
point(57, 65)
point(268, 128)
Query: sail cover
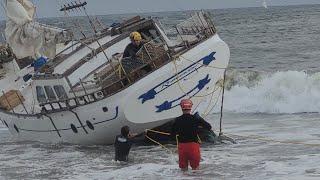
point(28, 38)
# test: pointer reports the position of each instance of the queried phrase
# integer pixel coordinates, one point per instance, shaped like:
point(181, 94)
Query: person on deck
point(186, 127)
point(123, 144)
point(130, 60)
point(135, 45)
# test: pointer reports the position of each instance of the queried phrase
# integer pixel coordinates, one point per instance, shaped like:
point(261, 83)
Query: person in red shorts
point(186, 127)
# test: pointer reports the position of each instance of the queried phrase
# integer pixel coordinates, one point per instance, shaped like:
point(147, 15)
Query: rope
point(214, 105)
point(161, 145)
point(199, 140)
point(159, 132)
point(201, 96)
point(177, 141)
point(180, 86)
point(167, 134)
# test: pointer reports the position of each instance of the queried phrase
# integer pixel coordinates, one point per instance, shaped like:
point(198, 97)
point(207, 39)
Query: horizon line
point(180, 10)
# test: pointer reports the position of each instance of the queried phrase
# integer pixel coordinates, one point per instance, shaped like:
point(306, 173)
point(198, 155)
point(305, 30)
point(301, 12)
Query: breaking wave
point(279, 92)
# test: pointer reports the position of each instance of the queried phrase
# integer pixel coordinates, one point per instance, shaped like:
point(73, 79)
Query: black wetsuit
point(131, 50)
point(187, 127)
point(122, 147)
point(130, 61)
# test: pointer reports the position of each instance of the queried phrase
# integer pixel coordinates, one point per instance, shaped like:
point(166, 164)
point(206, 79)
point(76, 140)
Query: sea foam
point(279, 92)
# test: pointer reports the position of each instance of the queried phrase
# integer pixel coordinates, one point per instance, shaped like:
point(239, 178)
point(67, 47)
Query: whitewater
point(271, 108)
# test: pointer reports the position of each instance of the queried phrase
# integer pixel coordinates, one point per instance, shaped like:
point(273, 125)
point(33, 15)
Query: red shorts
point(189, 153)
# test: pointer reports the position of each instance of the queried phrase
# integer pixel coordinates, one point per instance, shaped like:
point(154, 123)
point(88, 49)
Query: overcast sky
point(49, 8)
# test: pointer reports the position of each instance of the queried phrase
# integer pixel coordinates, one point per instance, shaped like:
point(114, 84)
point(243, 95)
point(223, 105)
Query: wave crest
point(280, 92)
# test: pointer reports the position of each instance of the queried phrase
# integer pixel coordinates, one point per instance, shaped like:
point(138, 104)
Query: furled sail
point(28, 38)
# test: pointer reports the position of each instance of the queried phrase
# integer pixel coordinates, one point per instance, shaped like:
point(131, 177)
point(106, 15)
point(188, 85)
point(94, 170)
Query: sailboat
point(264, 4)
point(82, 91)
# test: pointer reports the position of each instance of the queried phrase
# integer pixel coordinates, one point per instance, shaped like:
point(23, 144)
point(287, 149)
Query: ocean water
point(271, 109)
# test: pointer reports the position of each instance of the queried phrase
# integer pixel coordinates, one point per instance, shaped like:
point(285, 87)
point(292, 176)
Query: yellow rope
point(168, 134)
point(199, 140)
point(177, 141)
point(159, 144)
point(159, 132)
point(182, 89)
point(206, 114)
point(201, 96)
point(119, 69)
point(164, 133)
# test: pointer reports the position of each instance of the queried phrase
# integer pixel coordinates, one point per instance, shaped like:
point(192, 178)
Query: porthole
point(90, 125)
point(99, 95)
point(105, 109)
point(16, 128)
point(74, 128)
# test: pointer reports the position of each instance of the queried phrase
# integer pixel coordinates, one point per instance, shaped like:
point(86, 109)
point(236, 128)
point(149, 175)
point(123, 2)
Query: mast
point(78, 5)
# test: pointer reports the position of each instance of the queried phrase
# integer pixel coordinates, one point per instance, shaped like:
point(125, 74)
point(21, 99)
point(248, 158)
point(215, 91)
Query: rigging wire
point(216, 87)
point(181, 87)
point(4, 5)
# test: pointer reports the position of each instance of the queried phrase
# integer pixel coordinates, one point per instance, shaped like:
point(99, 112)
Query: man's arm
point(135, 138)
point(173, 129)
point(116, 142)
point(126, 52)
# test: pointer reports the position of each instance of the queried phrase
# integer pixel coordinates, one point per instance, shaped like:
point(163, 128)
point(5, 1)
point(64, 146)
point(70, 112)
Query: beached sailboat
point(86, 91)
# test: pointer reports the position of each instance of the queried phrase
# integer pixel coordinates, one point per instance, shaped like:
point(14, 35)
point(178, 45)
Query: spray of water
point(280, 92)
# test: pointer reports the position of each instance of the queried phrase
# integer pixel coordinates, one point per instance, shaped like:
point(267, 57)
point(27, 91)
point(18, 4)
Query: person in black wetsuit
point(130, 61)
point(123, 144)
point(187, 128)
point(135, 45)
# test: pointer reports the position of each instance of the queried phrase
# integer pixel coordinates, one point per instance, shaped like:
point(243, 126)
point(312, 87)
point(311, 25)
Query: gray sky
point(49, 8)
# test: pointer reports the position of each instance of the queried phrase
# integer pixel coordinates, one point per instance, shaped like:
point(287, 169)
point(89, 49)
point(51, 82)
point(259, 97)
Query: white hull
point(148, 103)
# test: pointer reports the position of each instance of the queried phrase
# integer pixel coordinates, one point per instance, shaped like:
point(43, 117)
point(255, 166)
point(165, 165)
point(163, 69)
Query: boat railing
point(197, 28)
point(149, 58)
point(47, 76)
point(198, 24)
point(153, 56)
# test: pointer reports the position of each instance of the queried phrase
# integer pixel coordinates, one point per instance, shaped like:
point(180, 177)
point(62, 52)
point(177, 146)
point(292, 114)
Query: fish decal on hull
point(151, 94)
point(194, 91)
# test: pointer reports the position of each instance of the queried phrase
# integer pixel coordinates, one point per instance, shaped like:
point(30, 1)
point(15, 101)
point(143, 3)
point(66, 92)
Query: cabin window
point(50, 93)
point(61, 93)
point(41, 96)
